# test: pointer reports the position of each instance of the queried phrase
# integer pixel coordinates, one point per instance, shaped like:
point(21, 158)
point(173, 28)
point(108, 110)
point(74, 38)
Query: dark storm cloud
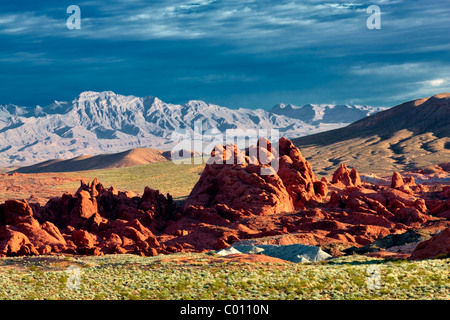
point(234, 53)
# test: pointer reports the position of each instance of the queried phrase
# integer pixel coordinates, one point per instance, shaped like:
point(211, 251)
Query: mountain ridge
point(314, 113)
point(409, 136)
point(105, 122)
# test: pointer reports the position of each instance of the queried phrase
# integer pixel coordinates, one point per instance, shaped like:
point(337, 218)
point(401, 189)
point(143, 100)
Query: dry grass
point(197, 276)
point(167, 177)
point(401, 152)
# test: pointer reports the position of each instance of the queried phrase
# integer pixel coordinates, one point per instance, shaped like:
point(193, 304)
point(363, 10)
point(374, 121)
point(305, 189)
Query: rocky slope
point(413, 135)
point(231, 203)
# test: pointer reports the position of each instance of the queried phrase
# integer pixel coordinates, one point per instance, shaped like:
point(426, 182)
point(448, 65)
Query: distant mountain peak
point(105, 122)
point(284, 106)
point(414, 134)
point(196, 103)
point(95, 94)
point(328, 113)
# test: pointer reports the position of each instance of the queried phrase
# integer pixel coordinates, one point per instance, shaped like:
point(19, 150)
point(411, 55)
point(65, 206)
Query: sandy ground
point(35, 188)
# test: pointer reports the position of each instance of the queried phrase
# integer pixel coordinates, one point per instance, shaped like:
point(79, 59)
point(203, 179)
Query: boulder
point(238, 185)
point(82, 238)
point(356, 179)
point(397, 181)
point(297, 175)
point(437, 246)
point(13, 212)
point(344, 176)
point(15, 243)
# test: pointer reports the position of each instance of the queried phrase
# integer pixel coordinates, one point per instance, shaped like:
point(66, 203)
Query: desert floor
point(208, 276)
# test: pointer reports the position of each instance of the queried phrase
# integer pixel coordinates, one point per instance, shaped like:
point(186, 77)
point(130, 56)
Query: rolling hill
point(130, 158)
point(412, 135)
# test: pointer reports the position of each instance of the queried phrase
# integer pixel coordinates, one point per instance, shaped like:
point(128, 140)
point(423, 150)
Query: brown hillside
point(133, 157)
point(412, 135)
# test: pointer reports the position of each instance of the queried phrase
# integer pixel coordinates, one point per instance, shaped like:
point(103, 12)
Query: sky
point(246, 53)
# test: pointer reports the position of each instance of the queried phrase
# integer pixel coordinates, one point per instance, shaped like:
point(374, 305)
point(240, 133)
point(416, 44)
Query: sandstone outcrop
point(93, 221)
point(264, 194)
point(237, 189)
point(346, 177)
point(437, 246)
point(234, 184)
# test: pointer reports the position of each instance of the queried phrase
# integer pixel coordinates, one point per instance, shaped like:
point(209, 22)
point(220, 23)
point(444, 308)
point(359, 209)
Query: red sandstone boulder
point(437, 246)
point(238, 185)
point(25, 231)
point(40, 237)
point(86, 205)
point(346, 177)
point(397, 181)
point(235, 184)
point(356, 179)
point(13, 212)
point(82, 238)
point(221, 244)
point(90, 220)
point(320, 188)
point(297, 175)
point(15, 243)
point(112, 240)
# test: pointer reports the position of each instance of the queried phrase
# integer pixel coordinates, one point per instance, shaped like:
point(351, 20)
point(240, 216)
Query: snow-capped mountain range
point(104, 122)
point(325, 113)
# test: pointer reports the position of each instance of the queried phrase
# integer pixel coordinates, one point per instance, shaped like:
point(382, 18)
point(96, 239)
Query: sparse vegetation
point(199, 276)
point(167, 177)
point(373, 155)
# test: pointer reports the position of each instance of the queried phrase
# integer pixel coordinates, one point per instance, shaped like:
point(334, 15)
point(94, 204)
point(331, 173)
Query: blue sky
point(244, 53)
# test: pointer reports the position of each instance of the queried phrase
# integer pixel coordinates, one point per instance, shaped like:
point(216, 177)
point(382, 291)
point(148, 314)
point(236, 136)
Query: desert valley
point(377, 188)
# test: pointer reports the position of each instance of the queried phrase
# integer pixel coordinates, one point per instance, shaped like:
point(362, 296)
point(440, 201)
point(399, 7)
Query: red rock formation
point(15, 243)
point(23, 233)
point(397, 180)
point(85, 223)
point(297, 175)
point(347, 178)
point(237, 189)
point(437, 246)
point(239, 196)
point(356, 180)
point(233, 185)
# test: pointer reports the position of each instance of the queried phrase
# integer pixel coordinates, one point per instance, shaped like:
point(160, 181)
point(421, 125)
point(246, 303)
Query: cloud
point(231, 20)
point(251, 26)
point(436, 82)
point(26, 57)
point(229, 49)
point(402, 81)
point(388, 69)
point(219, 78)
